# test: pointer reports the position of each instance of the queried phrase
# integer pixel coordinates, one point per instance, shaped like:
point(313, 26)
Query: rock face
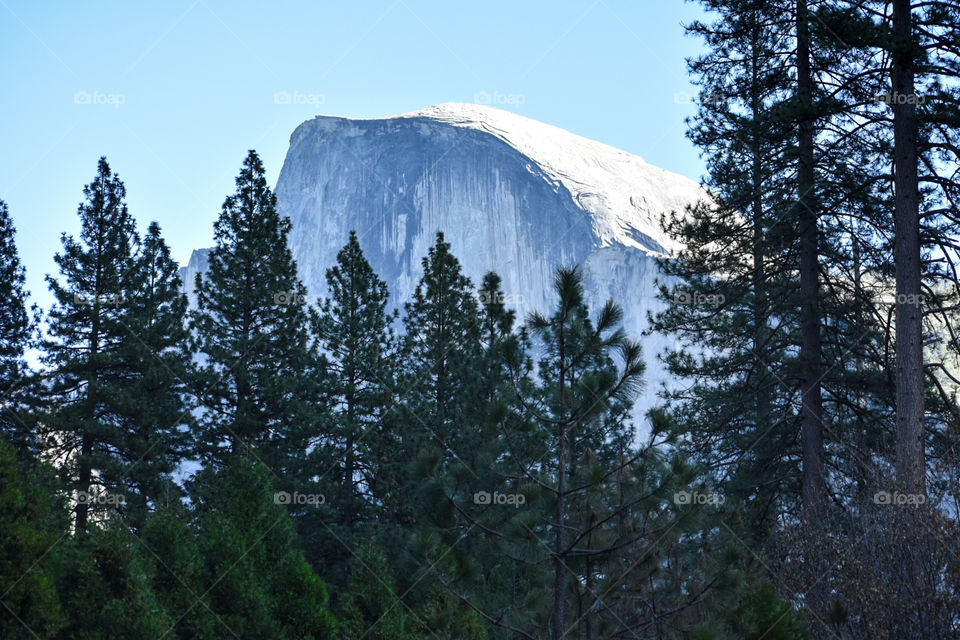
point(511, 195)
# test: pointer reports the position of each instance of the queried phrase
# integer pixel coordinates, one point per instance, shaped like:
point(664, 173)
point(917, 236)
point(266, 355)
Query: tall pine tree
point(86, 337)
point(250, 328)
point(16, 334)
point(151, 402)
point(441, 350)
point(354, 329)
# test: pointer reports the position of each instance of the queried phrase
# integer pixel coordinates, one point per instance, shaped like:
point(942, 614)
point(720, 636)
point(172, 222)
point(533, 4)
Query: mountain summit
point(511, 195)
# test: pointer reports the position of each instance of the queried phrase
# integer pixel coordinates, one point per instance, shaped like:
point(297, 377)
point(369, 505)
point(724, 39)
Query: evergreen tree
point(16, 333)
point(781, 331)
point(118, 355)
point(899, 82)
point(354, 329)
point(441, 351)
point(372, 608)
point(32, 521)
point(179, 581)
point(486, 554)
point(354, 333)
point(86, 336)
point(151, 400)
point(258, 583)
point(728, 307)
point(442, 339)
point(583, 400)
point(104, 579)
point(250, 327)
point(565, 501)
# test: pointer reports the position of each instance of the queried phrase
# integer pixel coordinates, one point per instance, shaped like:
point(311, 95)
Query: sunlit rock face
point(511, 195)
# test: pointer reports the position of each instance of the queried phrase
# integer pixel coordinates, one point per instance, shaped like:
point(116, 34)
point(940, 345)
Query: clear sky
point(175, 92)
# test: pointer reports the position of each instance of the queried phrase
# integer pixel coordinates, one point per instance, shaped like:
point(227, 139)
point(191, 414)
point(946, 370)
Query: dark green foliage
point(117, 358)
point(582, 403)
point(441, 345)
point(257, 583)
point(104, 579)
point(151, 407)
point(757, 614)
point(354, 329)
point(32, 522)
point(86, 334)
point(730, 307)
point(372, 607)
point(403, 437)
point(180, 580)
point(441, 352)
point(250, 327)
point(559, 449)
point(16, 335)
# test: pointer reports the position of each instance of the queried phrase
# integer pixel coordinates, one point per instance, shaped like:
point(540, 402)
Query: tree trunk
point(558, 569)
point(813, 488)
point(909, 378)
point(84, 470)
point(759, 256)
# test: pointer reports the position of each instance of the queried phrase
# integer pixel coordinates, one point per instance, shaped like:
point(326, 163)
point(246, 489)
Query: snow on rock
point(624, 195)
point(511, 195)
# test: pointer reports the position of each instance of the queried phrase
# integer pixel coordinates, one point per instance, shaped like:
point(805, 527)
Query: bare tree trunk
point(909, 379)
point(813, 487)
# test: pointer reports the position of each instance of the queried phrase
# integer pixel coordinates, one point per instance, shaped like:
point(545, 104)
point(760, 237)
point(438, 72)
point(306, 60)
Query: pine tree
point(486, 554)
point(104, 578)
point(896, 79)
point(118, 358)
point(354, 329)
point(813, 490)
point(782, 331)
point(442, 338)
point(583, 400)
point(257, 582)
point(372, 607)
point(353, 332)
point(179, 581)
point(16, 334)
point(32, 520)
point(441, 351)
point(727, 307)
point(87, 335)
point(250, 327)
point(151, 399)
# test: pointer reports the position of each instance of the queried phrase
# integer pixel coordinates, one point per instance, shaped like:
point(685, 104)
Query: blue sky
point(174, 93)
